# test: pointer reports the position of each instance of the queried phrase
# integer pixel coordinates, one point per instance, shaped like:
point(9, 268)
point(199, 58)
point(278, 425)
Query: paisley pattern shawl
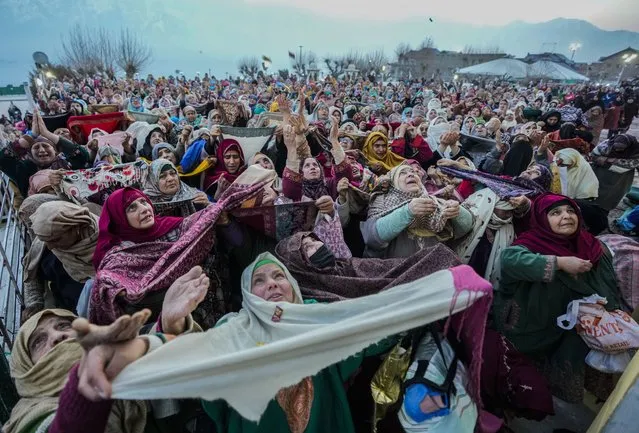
point(129, 273)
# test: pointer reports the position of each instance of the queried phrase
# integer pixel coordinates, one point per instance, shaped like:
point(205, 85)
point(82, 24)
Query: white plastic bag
point(609, 362)
point(605, 331)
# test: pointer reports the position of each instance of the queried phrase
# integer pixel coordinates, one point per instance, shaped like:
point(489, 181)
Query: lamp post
point(573, 48)
point(627, 59)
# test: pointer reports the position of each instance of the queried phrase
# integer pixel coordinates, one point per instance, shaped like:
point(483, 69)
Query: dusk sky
point(197, 35)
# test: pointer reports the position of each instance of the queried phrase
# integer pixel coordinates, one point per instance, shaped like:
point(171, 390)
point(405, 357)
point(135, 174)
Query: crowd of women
point(344, 255)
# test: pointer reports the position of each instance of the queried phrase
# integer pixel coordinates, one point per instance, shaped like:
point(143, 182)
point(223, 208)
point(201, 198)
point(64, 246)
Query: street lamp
point(627, 58)
point(573, 48)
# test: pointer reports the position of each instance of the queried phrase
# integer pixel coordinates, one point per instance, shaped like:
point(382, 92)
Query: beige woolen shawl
point(70, 232)
point(39, 384)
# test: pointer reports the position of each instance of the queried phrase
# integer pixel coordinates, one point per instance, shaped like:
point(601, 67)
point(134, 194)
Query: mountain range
point(216, 37)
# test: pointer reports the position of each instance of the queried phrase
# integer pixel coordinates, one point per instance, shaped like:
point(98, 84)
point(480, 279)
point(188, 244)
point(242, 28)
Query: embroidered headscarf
point(382, 204)
point(115, 228)
point(540, 238)
point(389, 160)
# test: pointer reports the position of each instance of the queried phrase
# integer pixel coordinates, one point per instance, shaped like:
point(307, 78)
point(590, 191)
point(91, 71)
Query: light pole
point(573, 48)
point(627, 58)
point(300, 63)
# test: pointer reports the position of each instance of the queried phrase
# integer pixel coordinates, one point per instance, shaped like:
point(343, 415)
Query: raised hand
point(182, 298)
point(123, 329)
point(451, 210)
point(334, 135)
point(422, 206)
point(325, 205)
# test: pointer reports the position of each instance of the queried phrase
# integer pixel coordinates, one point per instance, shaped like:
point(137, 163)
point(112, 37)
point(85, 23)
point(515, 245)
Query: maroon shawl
point(115, 229)
point(542, 240)
point(130, 273)
point(214, 174)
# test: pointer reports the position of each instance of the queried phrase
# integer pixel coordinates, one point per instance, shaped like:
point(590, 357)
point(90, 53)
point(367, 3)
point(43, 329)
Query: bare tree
point(132, 55)
point(402, 49)
point(336, 65)
point(248, 66)
point(302, 63)
point(427, 43)
point(372, 62)
point(89, 51)
point(490, 49)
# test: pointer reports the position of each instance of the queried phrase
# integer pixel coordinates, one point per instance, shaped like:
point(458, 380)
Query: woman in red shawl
point(132, 238)
point(230, 164)
point(127, 216)
point(556, 261)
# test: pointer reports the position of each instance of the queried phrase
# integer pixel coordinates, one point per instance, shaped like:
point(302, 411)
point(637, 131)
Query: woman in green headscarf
point(315, 404)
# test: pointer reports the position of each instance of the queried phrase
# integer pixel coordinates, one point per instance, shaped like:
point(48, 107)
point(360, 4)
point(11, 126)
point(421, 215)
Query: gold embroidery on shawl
point(296, 402)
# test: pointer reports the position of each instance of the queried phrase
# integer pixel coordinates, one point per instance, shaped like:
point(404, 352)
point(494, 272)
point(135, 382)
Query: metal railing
point(13, 246)
point(14, 243)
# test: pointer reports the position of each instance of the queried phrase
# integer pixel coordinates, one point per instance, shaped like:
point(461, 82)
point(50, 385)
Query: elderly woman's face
point(531, 173)
point(139, 214)
point(169, 182)
point(270, 283)
point(63, 132)
point(216, 118)
point(157, 137)
point(264, 162)
point(346, 143)
point(563, 220)
point(408, 181)
point(43, 153)
point(190, 115)
point(168, 155)
point(310, 245)
point(50, 331)
point(311, 170)
point(480, 131)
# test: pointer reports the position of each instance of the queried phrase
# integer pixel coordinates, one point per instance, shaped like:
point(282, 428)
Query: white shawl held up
point(248, 359)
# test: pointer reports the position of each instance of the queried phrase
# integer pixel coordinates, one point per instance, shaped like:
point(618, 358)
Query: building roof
point(500, 67)
point(554, 71)
point(629, 50)
point(553, 57)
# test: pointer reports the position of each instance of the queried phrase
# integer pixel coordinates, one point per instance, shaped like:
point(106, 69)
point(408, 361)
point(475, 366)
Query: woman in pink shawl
point(133, 242)
point(128, 216)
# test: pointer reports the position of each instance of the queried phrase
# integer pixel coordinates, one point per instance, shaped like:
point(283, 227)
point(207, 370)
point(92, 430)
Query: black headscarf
point(551, 128)
point(518, 157)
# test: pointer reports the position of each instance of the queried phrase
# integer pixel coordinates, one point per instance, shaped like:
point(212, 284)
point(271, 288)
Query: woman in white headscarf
point(578, 181)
